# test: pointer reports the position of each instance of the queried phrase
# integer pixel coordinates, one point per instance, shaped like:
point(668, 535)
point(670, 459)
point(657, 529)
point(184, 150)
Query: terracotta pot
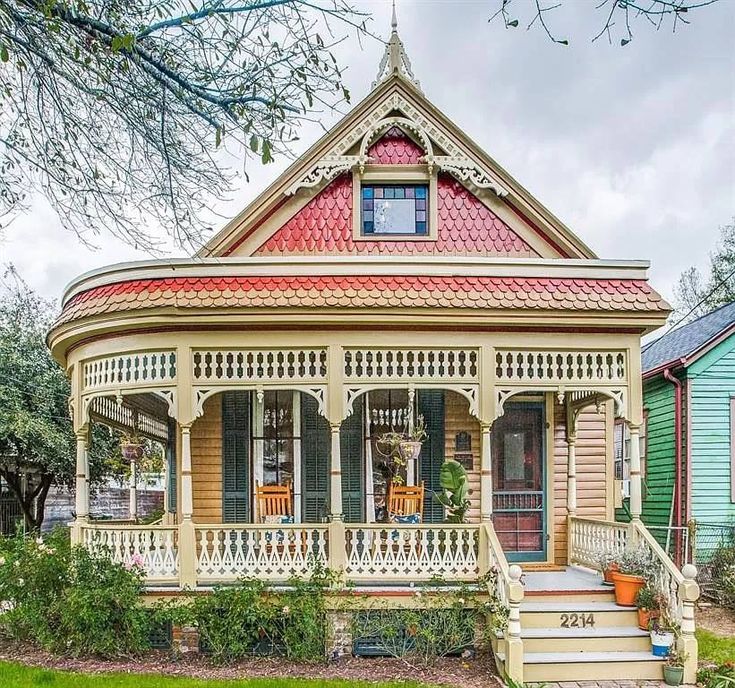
point(608, 572)
point(626, 588)
point(645, 616)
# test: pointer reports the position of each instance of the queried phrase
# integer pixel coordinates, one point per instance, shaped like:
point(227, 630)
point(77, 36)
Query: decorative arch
point(408, 125)
point(201, 394)
point(582, 394)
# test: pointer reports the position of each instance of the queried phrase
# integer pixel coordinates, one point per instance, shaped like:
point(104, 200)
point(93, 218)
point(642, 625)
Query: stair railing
point(510, 593)
point(682, 591)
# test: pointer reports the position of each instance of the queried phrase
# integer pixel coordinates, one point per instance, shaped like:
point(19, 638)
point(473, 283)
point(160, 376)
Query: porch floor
point(571, 579)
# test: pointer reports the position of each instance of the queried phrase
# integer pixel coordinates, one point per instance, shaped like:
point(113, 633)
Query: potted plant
point(607, 561)
point(633, 568)
point(132, 447)
point(663, 634)
point(453, 480)
point(674, 667)
point(649, 604)
point(410, 446)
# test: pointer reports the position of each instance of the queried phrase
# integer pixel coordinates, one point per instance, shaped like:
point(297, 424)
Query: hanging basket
point(131, 451)
point(409, 450)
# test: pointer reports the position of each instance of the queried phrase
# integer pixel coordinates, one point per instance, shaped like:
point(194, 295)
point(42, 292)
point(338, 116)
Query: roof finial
point(395, 60)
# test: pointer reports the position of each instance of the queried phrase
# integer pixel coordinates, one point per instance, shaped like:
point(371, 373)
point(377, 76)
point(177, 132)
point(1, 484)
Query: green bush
point(71, 601)
point(722, 566)
point(248, 618)
point(722, 676)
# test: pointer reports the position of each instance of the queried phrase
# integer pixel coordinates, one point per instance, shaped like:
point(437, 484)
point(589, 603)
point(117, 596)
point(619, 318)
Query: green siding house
point(689, 438)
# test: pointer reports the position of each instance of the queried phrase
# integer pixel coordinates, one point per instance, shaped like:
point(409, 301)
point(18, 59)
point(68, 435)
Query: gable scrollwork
point(432, 139)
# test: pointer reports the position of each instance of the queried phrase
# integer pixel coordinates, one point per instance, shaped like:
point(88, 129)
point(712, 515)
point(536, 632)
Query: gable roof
point(676, 346)
point(536, 224)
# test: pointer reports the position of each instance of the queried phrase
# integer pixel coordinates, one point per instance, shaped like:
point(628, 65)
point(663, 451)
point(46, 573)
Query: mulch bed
point(477, 672)
point(716, 619)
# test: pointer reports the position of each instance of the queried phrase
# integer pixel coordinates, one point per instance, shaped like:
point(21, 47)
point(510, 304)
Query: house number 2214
point(575, 620)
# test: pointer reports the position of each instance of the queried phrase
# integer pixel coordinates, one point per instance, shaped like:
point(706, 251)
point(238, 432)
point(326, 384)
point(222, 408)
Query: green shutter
point(352, 448)
point(235, 457)
point(171, 466)
point(315, 458)
point(431, 407)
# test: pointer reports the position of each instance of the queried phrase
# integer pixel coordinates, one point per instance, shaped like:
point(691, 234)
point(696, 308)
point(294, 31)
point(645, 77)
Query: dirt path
point(452, 672)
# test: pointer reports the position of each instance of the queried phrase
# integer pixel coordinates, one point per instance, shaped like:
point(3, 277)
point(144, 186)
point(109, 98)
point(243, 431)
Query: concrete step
point(590, 666)
point(601, 595)
point(564, 614)
point(598, 639)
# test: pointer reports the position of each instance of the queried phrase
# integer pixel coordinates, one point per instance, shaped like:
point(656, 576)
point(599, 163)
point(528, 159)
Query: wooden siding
point(594, 488)
point(206, 462)
point(658, 478)
point(458, 419)
point(712, 381)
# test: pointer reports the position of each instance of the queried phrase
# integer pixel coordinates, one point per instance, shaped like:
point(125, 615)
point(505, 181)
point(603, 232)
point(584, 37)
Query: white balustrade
point(411, 364)
point(590, 538)
point(152, 548)
point(271, 552)
point(146, 368)
point(534, 366)
point(288, 365)
point(121, 415)
point(411, 552)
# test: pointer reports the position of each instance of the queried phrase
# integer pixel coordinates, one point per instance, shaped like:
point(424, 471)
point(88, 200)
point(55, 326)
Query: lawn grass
point(14, 675)
point(715, 648)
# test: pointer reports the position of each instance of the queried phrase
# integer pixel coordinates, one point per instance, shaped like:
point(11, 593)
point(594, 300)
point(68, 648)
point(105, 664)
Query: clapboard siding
point(592, 472)
point(458, 419)
point(206, 462)
point(660, 471)
point(712, 384)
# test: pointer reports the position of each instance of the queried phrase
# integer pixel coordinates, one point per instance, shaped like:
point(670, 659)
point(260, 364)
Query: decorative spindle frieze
point(131, 369)
point(259, 365)
point(560, 367)
point(376, 365)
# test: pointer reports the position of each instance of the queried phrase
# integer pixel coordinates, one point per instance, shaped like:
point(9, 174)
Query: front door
point(519, 497)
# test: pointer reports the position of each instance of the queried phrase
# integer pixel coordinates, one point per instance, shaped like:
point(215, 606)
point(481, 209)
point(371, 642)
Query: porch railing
point(415, 552)
point(588, 538)
point(272, 552)
point(153, 548)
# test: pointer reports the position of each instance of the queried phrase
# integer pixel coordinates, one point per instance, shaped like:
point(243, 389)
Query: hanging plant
point(132, 448)
point(399, 448)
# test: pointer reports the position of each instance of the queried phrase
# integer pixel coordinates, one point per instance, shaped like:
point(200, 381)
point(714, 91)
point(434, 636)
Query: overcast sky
point(633, 148)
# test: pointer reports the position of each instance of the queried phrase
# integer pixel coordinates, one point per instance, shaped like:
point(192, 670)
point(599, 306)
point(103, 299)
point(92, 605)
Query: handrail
point(510, 592)
point(658, 551)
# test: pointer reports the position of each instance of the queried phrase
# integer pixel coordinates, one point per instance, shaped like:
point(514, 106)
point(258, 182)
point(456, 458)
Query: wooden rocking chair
point(273, 500)
point(404, 500)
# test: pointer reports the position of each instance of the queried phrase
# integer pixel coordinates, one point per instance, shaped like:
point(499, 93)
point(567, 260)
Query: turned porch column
point(572, 474)
point(187, 534)
point(636, 504)
point(81, 497)
point(335, 476)
point(486, 473)
point(133, 490)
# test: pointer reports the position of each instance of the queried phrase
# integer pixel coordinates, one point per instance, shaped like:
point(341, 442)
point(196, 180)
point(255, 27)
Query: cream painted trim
point(609, 460)
point(357, 265)
point(549, 407)
point(392, 174)
point(394, 93)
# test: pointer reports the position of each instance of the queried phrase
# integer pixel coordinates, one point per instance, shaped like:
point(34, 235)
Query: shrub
point(250, 617)
point(69, 600)
point(722, 566)
point(722, 676)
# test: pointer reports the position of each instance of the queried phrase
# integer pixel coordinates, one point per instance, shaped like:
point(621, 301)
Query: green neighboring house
point(689, 434)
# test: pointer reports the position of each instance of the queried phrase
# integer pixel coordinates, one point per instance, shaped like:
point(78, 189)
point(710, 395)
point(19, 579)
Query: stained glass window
point(395, 209)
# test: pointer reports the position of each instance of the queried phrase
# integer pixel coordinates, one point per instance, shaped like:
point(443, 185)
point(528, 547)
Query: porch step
point(574, 614)
point(590, 666)
point(601, 639)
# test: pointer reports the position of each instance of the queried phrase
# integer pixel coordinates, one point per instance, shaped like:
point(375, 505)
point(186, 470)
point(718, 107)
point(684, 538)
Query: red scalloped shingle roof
point(395, 148)
point(364, 291)
point(467, 227)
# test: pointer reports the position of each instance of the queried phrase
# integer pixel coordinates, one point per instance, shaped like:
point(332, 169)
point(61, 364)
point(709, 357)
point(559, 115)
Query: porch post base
point(187, 554)
point(514, 659)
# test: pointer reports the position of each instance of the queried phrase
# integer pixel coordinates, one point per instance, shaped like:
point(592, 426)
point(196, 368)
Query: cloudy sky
point(633, 147)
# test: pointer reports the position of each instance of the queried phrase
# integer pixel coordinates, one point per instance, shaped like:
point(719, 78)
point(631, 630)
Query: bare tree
point(118, 111)
point(616, 16)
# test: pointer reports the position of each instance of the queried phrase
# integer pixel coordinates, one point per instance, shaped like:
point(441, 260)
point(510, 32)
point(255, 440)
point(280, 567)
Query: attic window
point(395, 209)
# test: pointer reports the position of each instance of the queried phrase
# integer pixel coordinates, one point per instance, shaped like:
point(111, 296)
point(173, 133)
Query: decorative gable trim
point(337, 161)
